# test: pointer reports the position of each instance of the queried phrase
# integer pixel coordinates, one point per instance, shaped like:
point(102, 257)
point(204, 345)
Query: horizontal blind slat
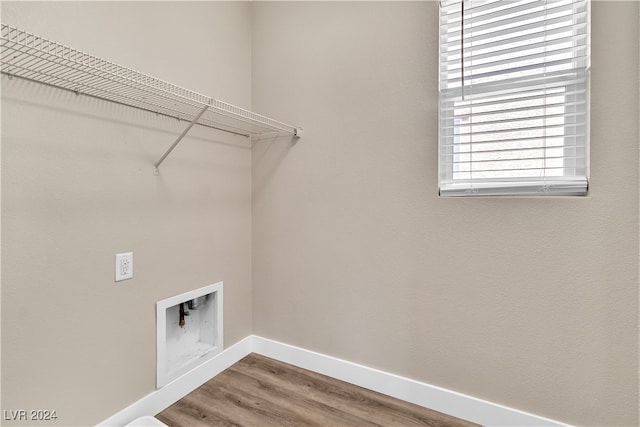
point(453, 47)
point(513, 140)
point(509, 150)
point(492, 11)
point(540, 68)
point(568, 53)
point(475, 162)
point(515, 31)
point(541, 170)
point(455, 55)
point(486, 22)
point(531, 118)
point(551, 80)
point(452, 9)
point(525, 94)
point(527, 130)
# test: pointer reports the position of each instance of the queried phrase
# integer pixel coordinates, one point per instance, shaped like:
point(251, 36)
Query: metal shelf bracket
point(177, 141)
point(297, 133)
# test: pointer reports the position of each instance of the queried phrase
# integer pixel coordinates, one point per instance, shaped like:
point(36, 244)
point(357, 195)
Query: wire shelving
point(35, 58)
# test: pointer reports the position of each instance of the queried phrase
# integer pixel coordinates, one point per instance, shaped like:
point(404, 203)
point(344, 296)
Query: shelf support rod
point(177, 141)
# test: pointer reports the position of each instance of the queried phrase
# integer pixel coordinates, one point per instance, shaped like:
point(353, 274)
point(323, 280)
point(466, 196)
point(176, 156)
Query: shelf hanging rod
point(177, 141)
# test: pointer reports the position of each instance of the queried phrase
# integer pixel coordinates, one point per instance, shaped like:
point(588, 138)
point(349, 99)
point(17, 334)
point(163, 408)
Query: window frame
point(566, 185)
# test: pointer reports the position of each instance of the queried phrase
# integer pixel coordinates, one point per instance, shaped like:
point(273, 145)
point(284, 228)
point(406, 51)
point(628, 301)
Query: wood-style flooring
point(262, 392)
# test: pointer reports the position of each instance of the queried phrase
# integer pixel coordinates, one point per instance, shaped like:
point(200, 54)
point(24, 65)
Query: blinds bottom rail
point(575, 186)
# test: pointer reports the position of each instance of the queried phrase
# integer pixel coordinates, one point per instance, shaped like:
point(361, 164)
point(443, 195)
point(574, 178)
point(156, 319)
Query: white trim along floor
point(429, 396)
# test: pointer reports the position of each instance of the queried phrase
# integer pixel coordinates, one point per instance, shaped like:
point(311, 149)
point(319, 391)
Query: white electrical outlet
point(124, 266)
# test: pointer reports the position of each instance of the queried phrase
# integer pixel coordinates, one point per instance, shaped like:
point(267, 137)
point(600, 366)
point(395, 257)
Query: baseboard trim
point(164, 397)
point(430, 396)
point(426, 395)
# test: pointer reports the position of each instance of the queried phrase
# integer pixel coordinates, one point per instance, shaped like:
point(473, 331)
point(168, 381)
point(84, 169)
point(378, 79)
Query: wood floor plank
point(306, 410)
point(344, 396)
point(259, 391)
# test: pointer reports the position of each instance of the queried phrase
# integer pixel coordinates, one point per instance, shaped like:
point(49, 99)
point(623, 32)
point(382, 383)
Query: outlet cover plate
point(124, 266)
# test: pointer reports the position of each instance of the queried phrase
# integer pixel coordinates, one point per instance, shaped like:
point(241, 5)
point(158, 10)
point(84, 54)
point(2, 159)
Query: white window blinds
point(513, 97)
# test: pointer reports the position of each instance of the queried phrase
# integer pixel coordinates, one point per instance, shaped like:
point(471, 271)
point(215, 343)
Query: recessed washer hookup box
point(189, 331)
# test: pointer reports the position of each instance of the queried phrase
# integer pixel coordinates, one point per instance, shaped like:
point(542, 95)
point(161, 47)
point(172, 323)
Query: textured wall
point(528, 302)
point(78, 187)
point(531, 302)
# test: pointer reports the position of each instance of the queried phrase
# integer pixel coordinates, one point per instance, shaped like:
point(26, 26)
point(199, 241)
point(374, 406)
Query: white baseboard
point(433, 397)
point(426, 395)
point(164, 397)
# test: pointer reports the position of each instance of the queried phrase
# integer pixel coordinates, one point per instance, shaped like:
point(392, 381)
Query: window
point(514, 81)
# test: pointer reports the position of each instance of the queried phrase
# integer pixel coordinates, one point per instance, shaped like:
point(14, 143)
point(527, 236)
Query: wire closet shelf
point(35, 58)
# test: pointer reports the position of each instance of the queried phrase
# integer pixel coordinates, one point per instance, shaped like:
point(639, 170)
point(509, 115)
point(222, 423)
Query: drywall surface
point(530, 302)
point(78, 187)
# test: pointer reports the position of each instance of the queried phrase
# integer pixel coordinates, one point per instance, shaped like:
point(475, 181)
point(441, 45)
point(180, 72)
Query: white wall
point(532, 303)
point(78, 187)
